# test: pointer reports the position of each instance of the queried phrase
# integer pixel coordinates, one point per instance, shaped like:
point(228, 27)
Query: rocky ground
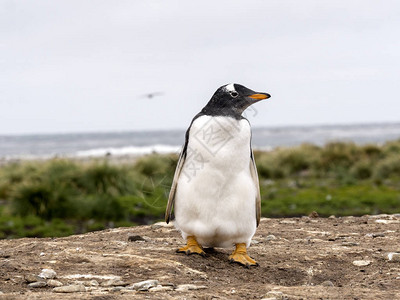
point(300, 258)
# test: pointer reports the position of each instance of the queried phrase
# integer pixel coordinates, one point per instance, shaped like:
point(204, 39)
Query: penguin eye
point(234, 94)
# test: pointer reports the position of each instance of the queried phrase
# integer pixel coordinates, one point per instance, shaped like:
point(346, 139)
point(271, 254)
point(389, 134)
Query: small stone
point(48, 274)
point(161, 288)
point(52, 261)
point(42, 254)
point(188, 287)
point(270, 237)
point(32, 278)
point(161, 225)
point(168, 284)
point(74, 288)
point(375, 235)
point(327, 283)
point(144, 285)
point(91, 276)
point(38, 284)
point(332, 217)
point(275, 294)
point(361, 263)
point(114, 282)
point(382, 221)
point(287, 222)
point(54, 283)
point(135, 238)
point(350, 244)
point(93, 283)
point(394, 257)
point(314, 214)
point(85, 283)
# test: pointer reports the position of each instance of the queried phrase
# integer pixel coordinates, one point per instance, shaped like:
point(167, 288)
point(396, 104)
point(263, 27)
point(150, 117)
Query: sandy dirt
point(299, 258)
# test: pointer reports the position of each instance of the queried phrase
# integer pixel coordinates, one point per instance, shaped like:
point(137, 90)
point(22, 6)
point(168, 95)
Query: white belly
point(215, 199)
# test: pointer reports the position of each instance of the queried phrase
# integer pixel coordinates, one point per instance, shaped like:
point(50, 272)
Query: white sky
point(78, 66)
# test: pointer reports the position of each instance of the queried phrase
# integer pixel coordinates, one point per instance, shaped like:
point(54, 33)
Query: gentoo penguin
point(215, 191)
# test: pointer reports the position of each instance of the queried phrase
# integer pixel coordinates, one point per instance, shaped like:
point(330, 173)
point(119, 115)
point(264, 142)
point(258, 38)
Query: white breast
point(215, 198)
point(221, 141)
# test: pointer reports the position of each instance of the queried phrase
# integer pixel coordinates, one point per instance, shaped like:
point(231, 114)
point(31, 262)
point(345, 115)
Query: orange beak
point(260, 96)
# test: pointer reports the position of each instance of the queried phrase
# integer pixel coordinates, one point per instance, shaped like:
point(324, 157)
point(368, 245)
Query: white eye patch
point(230, 87)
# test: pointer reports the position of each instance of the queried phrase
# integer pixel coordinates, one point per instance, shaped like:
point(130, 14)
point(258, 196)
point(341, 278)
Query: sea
point(134, 143)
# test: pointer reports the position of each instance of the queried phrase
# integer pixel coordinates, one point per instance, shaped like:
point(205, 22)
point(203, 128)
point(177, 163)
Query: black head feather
point(231, 100)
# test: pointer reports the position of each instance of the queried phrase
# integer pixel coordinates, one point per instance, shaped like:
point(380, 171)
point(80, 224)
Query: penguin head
point(231, 100)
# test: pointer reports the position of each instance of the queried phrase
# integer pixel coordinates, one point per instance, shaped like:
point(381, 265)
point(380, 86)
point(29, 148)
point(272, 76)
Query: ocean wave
point(129, 150)
point(141, 143)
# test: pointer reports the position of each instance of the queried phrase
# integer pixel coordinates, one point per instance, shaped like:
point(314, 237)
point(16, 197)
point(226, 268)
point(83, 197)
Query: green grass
point(61, 197)
point(347, 200)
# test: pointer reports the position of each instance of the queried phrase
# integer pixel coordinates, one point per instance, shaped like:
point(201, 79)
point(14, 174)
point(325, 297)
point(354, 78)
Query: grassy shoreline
point(59, 197)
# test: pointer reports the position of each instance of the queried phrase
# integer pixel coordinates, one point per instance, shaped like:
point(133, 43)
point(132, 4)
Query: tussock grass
point(59, 197)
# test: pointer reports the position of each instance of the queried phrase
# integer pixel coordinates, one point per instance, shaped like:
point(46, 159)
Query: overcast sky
point(82, 66)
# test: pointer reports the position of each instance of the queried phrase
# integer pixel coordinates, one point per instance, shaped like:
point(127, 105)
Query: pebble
point(136, 238)
point(114, 289)
point(394, 257)
point(188, 287)
point(93, 283)
point(48, 274)
point(287, 222)
point(54, 283)
point(161, 288)
point(32, 278)
point(314, 214)
point(270, 237)
point(327, 283)
point(162, 224)
point(91, 276)
point(381, 221)
point(144, 285)
point(38, 284)
point(70, 288)
point(350, 244)
point(275, 295)
point(361, 263)
point(114, 282)
point(375, 235)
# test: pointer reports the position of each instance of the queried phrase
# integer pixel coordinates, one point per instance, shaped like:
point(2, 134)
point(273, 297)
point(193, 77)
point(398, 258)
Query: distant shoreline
point(83, 146)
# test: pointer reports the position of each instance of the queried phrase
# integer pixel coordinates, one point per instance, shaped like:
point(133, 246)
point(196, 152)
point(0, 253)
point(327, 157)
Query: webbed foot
point(239, 255)
point(192, 247)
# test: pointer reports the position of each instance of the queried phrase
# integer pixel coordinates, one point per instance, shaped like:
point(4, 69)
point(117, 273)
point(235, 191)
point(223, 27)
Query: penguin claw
point(191, 250)
point(240, 256)
point(192, 247)
point(243, 260)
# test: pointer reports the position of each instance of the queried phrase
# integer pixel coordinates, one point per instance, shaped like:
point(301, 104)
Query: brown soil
point(308, 256)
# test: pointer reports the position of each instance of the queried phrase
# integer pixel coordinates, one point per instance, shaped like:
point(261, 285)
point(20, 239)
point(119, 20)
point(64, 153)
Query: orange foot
point(192, 247)
point(240, 256)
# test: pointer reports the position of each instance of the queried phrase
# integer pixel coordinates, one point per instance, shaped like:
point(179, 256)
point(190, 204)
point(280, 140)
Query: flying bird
point(152, 95)
point(215, 192)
